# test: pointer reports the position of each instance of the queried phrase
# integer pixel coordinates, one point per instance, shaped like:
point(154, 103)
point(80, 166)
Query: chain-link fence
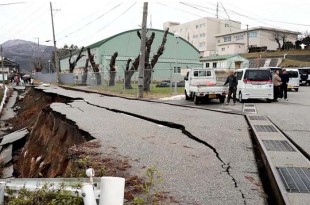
point(166, 81)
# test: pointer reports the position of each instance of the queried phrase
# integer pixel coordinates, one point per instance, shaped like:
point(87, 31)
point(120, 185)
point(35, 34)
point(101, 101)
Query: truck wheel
point(222, 99)
point(296, 89)
point(186, 96)
point(196, 99)
point(240, 98)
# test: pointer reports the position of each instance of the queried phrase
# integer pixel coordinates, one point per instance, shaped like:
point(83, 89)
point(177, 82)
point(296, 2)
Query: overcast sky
point(85, 22)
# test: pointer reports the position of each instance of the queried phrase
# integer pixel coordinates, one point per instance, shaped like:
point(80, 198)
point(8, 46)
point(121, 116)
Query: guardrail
point(105, 190)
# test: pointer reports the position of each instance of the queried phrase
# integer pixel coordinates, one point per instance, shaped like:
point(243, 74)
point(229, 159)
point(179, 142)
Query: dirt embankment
point(56, 147)
point(45, 153)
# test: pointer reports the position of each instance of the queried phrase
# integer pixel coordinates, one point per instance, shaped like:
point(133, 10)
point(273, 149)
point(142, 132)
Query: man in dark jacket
point(232, 83)
point(284, 78)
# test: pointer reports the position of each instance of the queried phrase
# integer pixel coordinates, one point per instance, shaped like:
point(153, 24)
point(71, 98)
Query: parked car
point(293, 83)
point(163, 84)
point(304, 74)
point(254, 83)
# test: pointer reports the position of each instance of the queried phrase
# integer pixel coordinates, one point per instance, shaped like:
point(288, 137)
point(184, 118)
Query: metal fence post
point(88, 194)
point(2, 187)
point(112, 191)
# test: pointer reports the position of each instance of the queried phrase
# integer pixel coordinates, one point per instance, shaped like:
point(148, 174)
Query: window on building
point(238, 37)
point(202, 34)
point(227, 38)
point(177, 69)
point(202, 25)
point(207, 65)
point(202, 44)
point(195, 36)
point(218, 41)
point(223, 49)
point(253, 34)
point(214, 65)
point(226, 25)
point(197, 26)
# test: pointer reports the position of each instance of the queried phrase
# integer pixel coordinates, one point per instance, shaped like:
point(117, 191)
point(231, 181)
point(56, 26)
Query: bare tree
point(73, 64)
point(112, 69)
point(281, 39)
point(150, 66)
point(84, 76)
point(94, 66)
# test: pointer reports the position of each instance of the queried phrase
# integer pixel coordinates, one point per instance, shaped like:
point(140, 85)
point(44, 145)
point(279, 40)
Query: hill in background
point(25, 53)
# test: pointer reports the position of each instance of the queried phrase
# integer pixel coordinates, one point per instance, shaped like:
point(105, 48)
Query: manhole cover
point(278, 145)
point(265, 128)
point(249, 110)
point(257, 118)
point(295, 179)
point(249, 105)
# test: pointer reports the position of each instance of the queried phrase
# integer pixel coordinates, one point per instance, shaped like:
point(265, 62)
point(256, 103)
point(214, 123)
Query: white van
point(293, 83)
point(254, 83)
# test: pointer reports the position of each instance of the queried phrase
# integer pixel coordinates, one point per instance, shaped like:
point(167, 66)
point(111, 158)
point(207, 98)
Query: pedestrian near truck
point(232, 89)
point(284, 79)
point(276, 80)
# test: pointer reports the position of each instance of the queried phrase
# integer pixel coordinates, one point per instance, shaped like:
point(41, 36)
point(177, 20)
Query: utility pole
point(38, 52)
point(217, 10)
point(2, 65)
point(247, 37)
point(55, 48)
point(142, 51)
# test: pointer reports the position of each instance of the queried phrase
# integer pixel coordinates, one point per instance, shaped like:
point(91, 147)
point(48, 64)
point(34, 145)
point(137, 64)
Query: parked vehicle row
point(253, 83)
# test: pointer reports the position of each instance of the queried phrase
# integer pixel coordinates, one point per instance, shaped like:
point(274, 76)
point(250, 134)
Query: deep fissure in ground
point(56, 147)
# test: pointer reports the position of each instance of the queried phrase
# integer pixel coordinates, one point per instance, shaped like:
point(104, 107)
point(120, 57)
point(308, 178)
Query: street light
point(176, 35)
point(49, 66)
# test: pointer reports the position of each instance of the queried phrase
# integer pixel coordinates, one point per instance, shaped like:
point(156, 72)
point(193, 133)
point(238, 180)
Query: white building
point(260, 37)
point(201, 33)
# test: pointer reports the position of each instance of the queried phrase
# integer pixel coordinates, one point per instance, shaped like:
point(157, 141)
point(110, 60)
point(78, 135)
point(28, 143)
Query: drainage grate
point(257, 118)
point(295, 179)
point(278, 145)
point(265, 128)
point(249, 110)
point(249, 105)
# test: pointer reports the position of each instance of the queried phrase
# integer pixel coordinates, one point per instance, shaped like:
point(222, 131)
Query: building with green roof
point(178, 54)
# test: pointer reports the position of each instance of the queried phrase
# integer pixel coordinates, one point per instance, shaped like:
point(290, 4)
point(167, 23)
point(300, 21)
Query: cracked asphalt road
point(204, 157)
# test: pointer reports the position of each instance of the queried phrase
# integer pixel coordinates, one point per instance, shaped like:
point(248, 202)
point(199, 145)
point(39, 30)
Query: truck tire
point(296, 89)
point(186, 96)
point(240, 97)
point(222, 99)
point(196, 99)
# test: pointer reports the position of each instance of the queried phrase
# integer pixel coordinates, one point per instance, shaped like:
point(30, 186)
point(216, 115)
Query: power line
point(87, 24)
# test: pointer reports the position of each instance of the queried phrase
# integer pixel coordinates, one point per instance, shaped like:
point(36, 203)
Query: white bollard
point(112, 191)
point(2, 190)
point(88, 194)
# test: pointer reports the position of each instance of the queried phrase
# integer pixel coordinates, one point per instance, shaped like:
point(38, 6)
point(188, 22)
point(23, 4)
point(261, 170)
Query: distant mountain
point(25, 53)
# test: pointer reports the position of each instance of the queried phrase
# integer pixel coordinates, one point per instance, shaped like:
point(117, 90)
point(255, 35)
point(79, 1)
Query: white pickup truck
point(200, 83)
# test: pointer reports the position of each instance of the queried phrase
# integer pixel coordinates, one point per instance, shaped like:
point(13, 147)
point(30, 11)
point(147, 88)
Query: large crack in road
point(225, 166)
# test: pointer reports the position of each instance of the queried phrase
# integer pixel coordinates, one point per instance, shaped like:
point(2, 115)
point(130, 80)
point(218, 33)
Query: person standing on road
point(276, 80)
point(232, 83)
point(284, 78)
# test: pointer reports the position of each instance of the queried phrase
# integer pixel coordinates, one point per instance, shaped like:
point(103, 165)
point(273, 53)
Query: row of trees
point(131, 68)
point(281, 39)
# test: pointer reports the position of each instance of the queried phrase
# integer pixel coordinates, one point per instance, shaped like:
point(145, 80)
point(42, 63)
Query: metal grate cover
point(249, 105)
point(257, 118)
point(295, 179)
point(249, 110)
point(265, 128)
point(278, 145)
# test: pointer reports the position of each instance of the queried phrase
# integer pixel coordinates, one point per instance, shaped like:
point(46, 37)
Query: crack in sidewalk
point(225, 166)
